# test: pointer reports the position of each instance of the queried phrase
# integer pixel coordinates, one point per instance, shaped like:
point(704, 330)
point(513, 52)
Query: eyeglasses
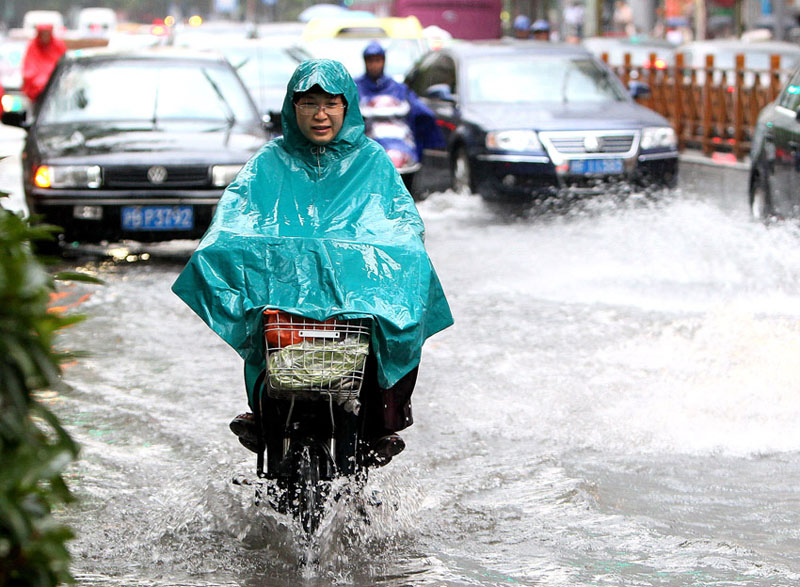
point(326, 108)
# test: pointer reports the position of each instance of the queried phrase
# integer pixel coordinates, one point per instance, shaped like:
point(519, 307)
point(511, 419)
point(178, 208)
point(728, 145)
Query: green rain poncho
point(318, 231)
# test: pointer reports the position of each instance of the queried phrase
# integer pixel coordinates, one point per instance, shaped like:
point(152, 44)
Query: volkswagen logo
point(591, 144)
point(157, 174)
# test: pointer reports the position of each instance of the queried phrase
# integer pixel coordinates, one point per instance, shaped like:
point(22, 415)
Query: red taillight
point(657, 64)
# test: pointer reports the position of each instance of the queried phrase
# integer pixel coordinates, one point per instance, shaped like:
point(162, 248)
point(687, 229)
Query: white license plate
point(596, 166)
point(157, 218)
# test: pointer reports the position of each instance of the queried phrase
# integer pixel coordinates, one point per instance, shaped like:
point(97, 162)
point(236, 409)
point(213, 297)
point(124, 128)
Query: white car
point(33, 18)
point(97, 22)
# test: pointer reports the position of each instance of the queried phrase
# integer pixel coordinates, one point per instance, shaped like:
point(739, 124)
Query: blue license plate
point(596, 166)
point(157, 218)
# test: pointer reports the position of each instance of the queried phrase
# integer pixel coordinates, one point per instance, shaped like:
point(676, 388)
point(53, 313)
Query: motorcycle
point(385, 118)
point(309, 429)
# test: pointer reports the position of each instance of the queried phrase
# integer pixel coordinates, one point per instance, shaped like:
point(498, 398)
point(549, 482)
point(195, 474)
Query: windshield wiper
point(564, 86)
point(231, 119)
point(155, 101)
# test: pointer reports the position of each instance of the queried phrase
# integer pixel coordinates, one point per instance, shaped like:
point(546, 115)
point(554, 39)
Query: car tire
point(760, 198)
point(462, 180)
point(47, 248)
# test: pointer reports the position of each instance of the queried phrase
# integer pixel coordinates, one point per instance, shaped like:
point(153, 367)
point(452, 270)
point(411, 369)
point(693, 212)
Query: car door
point(434, 81)
point(785, 182)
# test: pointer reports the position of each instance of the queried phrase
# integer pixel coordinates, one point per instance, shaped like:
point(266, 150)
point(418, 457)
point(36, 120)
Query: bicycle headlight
point(67, 176)
point(655, 137)
point(222, 175)
point(513, 140)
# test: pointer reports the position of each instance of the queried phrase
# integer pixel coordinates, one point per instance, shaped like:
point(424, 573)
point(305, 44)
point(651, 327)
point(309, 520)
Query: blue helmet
point(540, 26)
point(521, 23)
point(373, 49)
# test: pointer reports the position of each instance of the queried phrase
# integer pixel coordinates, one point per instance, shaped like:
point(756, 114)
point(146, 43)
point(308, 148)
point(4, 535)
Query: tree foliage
point(34, 447)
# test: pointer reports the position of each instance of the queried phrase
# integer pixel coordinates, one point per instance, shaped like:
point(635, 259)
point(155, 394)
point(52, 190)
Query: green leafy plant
point(34, 447)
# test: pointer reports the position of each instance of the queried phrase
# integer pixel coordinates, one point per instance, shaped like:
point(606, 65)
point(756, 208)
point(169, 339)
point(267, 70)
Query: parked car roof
point(727, 48)
point(513, 46)
point(156, 52)
point(639, 49)
point(756, 56)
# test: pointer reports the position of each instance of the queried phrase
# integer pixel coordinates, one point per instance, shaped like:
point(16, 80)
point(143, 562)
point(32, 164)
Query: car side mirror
point(638, 89)
point(271, 122)
point(440, 92)
point(15, 118)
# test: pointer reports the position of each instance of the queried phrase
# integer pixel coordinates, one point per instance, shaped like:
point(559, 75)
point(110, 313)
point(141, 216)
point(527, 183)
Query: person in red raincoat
point(40, 59)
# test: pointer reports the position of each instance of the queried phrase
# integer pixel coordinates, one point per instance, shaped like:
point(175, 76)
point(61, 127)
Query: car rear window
point(541, 79)
point(149, 90)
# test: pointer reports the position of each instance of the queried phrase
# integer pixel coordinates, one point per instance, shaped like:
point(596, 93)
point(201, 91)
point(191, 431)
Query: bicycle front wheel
point(308, 490)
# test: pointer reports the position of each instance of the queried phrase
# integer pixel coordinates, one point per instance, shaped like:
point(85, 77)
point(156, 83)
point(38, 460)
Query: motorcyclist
point(374, 82)
point(319, 223)
point(540, 30)
point(521, 27)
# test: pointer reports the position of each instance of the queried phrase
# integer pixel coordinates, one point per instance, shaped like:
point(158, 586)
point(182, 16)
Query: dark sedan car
point(136, 145)
point(775, 156)
point(528, 118)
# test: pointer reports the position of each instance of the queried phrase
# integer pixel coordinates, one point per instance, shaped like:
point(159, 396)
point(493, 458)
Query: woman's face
point(320, 116)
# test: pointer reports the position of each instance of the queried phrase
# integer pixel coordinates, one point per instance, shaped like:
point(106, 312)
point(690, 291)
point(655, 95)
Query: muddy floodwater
point(617, 404)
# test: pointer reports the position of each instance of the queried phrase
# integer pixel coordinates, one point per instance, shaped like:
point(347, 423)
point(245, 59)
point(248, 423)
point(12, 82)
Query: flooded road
point(617, 404)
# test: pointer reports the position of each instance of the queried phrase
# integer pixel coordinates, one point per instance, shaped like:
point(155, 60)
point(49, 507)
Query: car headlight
point(654, 137)
point(67, 176)
point(11, 103)
point(513, 140)
point(222, 175)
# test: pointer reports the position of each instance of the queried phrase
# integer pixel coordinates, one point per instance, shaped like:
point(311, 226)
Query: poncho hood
point(332, 77)
point(319, 231)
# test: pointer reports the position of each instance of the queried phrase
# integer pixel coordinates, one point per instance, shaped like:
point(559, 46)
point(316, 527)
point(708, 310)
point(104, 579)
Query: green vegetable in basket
point(318, 364)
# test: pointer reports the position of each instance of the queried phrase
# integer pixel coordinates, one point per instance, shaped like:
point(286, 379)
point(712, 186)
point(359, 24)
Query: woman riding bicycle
point(319, 224)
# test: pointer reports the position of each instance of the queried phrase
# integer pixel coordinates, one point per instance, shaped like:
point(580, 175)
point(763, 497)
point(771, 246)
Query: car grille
point(608, 142)
point(177, 176)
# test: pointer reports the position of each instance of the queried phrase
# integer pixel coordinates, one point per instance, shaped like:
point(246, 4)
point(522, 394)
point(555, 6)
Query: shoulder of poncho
point(371, 147)
point(373, 154)
point(271, 151)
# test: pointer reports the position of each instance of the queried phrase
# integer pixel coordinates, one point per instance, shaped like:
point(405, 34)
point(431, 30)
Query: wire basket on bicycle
point(308, 359)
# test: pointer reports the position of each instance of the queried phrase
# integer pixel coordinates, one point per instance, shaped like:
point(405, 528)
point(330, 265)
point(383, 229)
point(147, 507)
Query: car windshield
point(541, 79)
point(146, 90)
point(261, 65)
